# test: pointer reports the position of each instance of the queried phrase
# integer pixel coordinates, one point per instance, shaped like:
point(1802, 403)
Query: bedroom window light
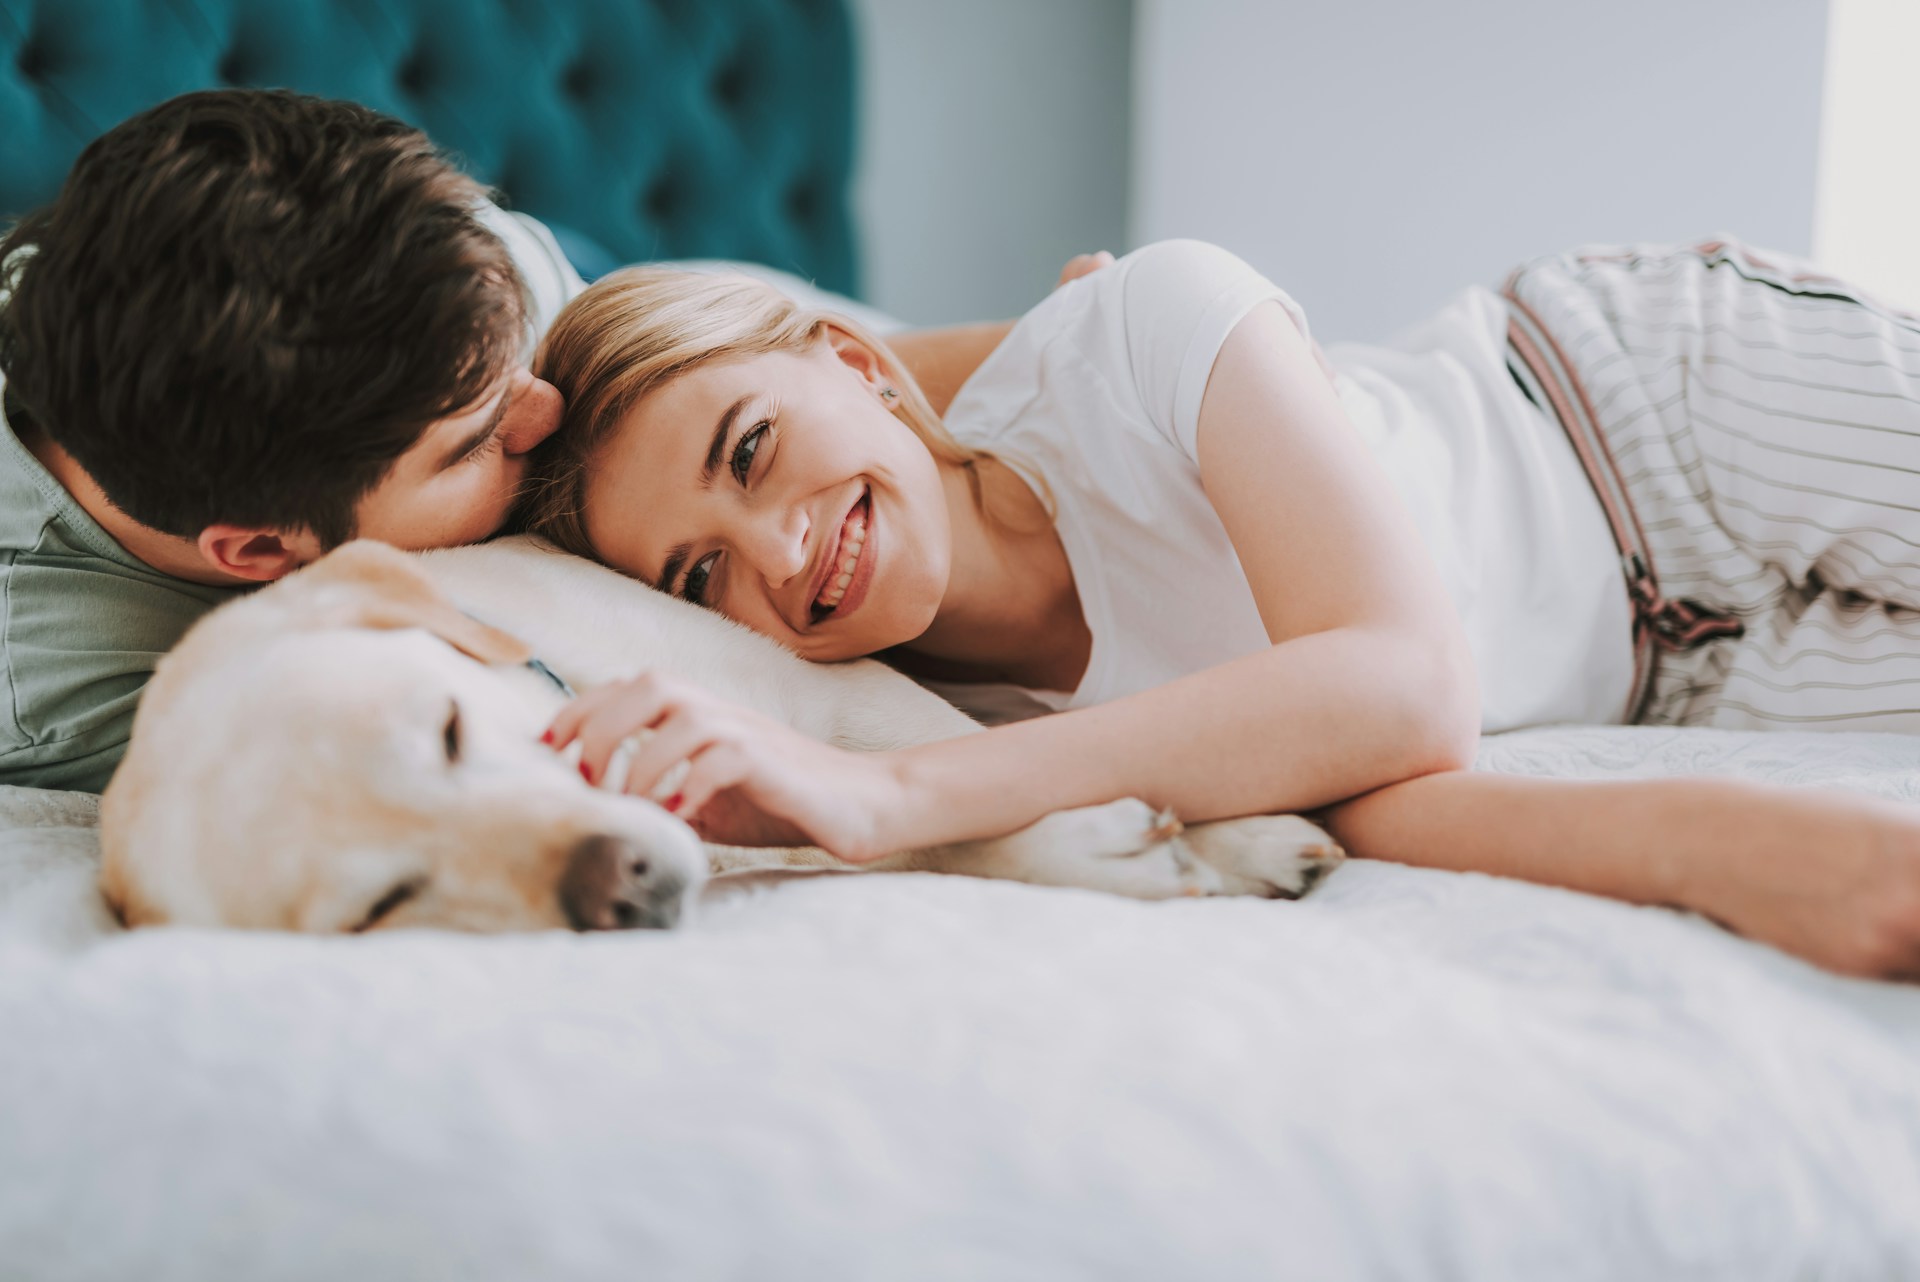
point(1866, 191)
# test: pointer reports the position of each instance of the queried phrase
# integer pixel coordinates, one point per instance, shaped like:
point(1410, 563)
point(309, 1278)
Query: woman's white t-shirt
point(1098, 389)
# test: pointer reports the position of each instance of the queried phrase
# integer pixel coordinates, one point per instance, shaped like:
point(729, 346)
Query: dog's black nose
point(610, 885)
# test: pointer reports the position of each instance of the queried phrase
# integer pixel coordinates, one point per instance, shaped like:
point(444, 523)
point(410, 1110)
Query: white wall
point(1374, 156)
point(993, 147)
point(1866, 222)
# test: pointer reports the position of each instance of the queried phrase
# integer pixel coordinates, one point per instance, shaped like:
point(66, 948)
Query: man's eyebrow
point(475, 440)
point(678, 554)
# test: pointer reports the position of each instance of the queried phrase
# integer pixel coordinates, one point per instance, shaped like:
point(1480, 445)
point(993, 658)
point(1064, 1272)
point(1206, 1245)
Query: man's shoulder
point(549, 277)
point(81, 630)
point(80, 636)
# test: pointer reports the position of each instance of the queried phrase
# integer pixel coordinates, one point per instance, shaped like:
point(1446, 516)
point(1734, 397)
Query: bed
point(1409, 1075)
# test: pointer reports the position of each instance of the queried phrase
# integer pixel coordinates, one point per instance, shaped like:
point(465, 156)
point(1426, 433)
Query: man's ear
point(259, 556)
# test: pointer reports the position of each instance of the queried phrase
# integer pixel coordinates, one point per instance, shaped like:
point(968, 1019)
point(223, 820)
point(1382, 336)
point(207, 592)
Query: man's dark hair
point(244, 305)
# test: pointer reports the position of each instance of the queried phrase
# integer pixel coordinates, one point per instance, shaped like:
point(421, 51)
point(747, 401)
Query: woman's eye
point(742, 461)
point(451, 736)
point(400, 894)
point(694, 587)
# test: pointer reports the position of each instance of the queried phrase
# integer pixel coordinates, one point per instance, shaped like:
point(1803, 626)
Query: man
point(251, 326)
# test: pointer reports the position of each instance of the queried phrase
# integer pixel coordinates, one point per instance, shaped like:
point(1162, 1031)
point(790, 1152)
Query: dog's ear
point(365, 584)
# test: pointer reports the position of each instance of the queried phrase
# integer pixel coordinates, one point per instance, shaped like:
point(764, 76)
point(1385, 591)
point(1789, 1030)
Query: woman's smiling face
point(756, 486)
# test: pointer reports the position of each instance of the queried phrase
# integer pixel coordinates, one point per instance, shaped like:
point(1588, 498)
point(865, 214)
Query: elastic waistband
point(1659, 622)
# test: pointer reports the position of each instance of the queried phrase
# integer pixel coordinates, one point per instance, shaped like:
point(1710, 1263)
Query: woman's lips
point(856, 590)
point(862, 572)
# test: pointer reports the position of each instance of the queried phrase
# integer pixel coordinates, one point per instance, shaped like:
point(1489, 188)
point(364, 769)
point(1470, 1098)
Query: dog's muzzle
point(610, 884)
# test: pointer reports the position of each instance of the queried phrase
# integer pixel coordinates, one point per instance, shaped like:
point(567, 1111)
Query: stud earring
point(888, 395)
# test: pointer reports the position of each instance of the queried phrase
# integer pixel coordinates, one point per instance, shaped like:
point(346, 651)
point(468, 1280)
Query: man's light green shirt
point(82, 624)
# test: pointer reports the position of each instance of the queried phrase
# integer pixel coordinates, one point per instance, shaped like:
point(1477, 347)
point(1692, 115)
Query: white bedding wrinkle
point(1409, 1075)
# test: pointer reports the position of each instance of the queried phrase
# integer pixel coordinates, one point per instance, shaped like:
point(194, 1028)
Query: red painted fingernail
point(585, 772)
point(674, 802)
point(546, 736)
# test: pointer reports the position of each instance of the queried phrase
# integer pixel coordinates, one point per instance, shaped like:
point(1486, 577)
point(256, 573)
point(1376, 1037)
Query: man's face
point(458, 481)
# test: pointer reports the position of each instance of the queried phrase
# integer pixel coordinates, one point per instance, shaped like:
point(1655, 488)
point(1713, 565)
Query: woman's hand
point(1830, 876)
point(1084, 265)
point(748, 780)
point(1833, 877)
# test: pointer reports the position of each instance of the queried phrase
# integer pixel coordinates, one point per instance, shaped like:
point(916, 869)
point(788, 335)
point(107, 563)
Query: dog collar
point(559, 682)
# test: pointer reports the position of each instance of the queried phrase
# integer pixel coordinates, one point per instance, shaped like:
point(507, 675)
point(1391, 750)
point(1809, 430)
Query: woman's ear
point(862, 359)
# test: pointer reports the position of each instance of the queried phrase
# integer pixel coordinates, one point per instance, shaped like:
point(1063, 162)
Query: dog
point(356, 747)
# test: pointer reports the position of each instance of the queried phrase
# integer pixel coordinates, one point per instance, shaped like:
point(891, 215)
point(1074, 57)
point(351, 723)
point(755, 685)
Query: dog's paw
point(1123, 848)
point(1275, 856)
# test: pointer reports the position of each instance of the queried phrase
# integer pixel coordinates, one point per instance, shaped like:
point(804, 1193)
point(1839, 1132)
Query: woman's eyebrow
point(719, 443)
point(676, 557)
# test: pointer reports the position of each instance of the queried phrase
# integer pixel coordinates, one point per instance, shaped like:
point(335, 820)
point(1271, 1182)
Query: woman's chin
point(870, 636)
point(838, 647)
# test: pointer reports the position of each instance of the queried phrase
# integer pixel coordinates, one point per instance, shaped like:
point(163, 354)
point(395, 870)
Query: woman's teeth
point(837, 587)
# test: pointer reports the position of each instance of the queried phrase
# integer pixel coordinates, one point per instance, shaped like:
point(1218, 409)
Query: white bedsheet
point(1409, 1075)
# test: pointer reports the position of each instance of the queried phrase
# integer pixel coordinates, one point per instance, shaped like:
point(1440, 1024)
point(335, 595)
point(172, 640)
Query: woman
point(1252, 584)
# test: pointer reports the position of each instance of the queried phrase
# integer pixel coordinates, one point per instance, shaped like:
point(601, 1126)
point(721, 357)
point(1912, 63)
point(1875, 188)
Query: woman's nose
point(776, 544)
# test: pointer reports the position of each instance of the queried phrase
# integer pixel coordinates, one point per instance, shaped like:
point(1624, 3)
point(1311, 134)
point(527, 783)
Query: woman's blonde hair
point(636, 330)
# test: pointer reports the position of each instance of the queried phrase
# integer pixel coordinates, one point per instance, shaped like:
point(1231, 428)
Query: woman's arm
point(940, 360)
point(1369, 680)
point(1833, 877)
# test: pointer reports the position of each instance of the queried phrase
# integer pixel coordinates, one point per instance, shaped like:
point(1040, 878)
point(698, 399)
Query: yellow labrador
point(350, 749)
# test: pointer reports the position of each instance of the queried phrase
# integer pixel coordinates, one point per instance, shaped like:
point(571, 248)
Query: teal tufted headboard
point(640, 129)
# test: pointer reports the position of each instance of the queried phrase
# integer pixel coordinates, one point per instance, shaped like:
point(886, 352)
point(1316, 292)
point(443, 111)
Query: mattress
point(1411, 1074)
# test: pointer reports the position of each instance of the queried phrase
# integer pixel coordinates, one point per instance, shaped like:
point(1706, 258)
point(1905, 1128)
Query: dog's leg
point(1127, 848)
point(1123, 848)
point(722, 860)
point(1276, 856)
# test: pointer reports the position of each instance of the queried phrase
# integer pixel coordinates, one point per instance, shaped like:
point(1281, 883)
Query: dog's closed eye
point(450, 735)
point(400, 894)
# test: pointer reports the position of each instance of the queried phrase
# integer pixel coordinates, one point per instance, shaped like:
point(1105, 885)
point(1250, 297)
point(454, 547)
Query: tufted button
point(231, 68)
point(729, 87)
point(413, 73)
point(802, 202)
point(578, 80)
point(660, 200)
point(30, 62)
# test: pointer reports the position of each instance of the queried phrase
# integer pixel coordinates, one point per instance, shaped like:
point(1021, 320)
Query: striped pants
point(1763, 428)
